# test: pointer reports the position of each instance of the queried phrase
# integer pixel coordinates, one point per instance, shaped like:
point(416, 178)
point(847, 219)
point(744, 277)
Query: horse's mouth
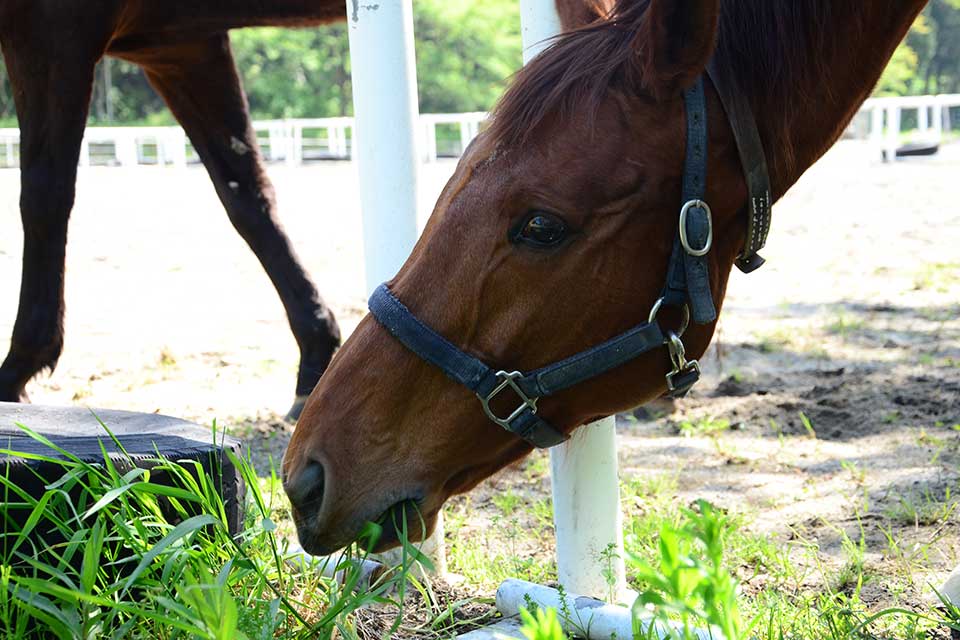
point(404, 522)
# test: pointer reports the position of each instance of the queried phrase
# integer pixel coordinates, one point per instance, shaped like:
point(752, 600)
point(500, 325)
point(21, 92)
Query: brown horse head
point(555, 232)
point(553, 235)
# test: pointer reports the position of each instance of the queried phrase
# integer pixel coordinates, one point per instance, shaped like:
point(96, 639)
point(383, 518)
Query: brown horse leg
point(200, 84)
point(52, 101)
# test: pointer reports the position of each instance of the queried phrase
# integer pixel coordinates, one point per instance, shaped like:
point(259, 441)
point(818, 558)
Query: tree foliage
point(928, 60)
point(466, 52)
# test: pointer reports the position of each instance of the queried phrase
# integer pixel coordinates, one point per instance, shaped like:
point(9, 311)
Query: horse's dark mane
point(766, 44)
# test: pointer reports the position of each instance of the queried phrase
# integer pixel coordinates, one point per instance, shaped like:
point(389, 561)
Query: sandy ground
point(853, 323)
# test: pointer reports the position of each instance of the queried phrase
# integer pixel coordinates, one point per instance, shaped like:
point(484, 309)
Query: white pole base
point(300, 560)
point(579, 615)
point(586, 512)
point(376, 565)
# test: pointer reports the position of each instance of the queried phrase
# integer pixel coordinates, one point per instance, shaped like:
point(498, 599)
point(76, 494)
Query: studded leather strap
point(754, 162)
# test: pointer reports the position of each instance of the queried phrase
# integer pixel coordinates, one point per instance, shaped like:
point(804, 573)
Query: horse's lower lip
point(391, 531)
point(315, 549)
point(403, 520)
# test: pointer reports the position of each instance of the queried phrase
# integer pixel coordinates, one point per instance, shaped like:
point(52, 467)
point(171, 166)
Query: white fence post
point(586, 488)
point(84, 152)
point(465, 135)
point(876, 130)
point(385, 147)
point(893, 132)
point(180, 149)
point(430, 139)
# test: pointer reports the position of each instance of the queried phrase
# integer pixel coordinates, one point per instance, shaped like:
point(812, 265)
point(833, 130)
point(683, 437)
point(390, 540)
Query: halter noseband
point(687, 286)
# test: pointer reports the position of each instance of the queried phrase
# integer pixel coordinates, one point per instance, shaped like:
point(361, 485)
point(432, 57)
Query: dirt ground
point(833, 382)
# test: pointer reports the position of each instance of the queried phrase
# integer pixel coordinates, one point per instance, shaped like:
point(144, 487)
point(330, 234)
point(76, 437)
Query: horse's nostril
point(305, 488)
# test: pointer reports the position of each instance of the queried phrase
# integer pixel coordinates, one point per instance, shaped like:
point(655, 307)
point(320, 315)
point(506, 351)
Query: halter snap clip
point(685, 373)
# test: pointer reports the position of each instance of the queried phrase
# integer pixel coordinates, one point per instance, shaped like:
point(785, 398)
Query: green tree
point(466, 52)
point(8, 113)
point(928, 60)
point(940, 71)
point(295, 73)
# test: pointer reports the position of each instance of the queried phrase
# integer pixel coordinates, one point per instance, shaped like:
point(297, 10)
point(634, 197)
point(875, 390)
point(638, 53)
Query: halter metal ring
point(508, 379)
point(696, 204)
point(684, 323)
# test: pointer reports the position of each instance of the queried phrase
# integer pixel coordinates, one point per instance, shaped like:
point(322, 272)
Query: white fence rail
point(297, 141)
point(292, 142)
point(881, 121)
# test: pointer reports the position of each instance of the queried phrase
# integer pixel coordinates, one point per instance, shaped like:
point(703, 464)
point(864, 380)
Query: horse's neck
point(851, 45)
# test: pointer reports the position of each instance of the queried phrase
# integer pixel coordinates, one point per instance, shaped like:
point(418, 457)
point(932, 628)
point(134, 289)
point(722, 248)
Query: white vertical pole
point(923, 114)
point(586, 487)
point(387, 115)
point(386, 110)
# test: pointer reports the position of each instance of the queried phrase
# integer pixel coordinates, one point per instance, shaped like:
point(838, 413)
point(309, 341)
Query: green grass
point(937, 276)
point(502, 548)
point(688, 577)
point(844, 325)
point(127, 557)
point(923, 507)
point(703, 426)
point(107, 552)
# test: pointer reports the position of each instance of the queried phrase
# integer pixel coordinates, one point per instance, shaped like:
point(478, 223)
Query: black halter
point(687, 286)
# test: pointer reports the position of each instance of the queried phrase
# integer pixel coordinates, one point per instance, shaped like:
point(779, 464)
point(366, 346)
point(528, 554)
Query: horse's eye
point(542, 230)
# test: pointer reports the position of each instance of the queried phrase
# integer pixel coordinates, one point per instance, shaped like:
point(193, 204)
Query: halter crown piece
point(687, 286)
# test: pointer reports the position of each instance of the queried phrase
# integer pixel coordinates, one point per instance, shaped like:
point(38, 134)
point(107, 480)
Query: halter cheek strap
point(688, 277)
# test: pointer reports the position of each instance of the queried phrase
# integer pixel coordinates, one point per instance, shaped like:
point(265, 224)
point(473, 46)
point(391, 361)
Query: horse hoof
point(294, 414)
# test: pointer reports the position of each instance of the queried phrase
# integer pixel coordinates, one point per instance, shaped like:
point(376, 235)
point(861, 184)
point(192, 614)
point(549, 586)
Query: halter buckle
point(508, 379)
point(685, 373)
point(705, 249)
